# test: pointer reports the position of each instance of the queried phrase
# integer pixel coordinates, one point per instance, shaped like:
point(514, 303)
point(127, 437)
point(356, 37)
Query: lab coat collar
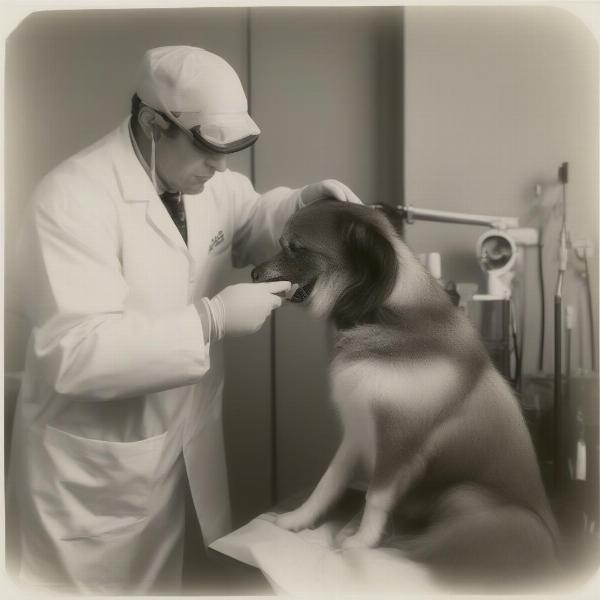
point(136, 186)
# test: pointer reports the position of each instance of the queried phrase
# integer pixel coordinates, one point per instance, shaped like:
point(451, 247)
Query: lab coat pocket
point(97, 487)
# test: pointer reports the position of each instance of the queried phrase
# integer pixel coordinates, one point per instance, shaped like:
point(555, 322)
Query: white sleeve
point(259, 220)
point(86, 343)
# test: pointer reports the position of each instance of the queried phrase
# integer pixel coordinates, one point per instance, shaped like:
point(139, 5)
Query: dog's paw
point(295, 520)
point(349, 530)
point(358, 540)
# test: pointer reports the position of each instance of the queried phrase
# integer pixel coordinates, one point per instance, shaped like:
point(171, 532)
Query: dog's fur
point(423, 409)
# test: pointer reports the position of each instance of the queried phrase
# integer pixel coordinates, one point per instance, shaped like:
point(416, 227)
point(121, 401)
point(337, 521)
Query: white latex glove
point(327, 188)
point(243, 308)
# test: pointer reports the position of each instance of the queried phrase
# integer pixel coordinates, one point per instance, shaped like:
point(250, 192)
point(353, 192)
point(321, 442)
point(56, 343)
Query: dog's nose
point(255, 275)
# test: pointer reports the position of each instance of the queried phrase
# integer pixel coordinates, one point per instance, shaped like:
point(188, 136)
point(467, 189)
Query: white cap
point(204, 91)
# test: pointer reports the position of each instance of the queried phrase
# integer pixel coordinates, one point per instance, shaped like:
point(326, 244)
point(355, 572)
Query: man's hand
point(328, 188)
point(243, 308)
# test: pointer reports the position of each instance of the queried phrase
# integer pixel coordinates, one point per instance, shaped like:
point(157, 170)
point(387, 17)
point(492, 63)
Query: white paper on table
point(307, 563)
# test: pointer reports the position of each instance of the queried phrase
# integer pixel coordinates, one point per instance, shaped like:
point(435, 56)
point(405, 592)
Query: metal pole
point(558, 412)
point(559, 471)
point(411, 214)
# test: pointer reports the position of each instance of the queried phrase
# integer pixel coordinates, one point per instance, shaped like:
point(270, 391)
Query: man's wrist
point(214, 313)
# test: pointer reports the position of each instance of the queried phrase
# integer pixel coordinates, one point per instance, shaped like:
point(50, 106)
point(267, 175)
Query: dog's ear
point(393, 215)
point(373, 266)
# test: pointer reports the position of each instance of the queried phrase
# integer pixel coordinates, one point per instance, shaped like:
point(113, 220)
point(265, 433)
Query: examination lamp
point(499, 255)
point(498, 250)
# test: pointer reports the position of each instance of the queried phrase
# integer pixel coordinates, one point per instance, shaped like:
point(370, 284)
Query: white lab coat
point(119, 385)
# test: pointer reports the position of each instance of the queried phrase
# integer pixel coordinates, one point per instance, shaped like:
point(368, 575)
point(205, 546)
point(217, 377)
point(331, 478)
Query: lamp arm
point(411, 214)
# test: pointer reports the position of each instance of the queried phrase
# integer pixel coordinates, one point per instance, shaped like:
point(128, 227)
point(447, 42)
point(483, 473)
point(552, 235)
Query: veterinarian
point(120, 404)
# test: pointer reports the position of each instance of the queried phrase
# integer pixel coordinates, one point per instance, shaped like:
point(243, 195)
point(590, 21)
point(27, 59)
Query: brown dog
point(424, 411)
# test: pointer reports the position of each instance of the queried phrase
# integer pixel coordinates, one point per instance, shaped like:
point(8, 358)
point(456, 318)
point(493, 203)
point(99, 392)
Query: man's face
point(183, 166)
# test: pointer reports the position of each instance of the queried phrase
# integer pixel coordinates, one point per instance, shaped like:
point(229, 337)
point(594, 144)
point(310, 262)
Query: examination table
point(307, 563)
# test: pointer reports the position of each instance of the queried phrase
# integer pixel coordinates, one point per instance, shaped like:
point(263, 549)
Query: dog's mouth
point(303, 291)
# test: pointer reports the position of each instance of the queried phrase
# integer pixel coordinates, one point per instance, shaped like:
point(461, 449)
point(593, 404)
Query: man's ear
point(151, 122)
point(373, 267)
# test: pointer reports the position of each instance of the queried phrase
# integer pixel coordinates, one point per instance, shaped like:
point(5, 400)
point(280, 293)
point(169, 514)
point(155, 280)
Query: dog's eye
point(294, 246)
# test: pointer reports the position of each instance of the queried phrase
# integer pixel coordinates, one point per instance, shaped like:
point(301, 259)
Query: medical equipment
point(498, 250)
point(500, 255)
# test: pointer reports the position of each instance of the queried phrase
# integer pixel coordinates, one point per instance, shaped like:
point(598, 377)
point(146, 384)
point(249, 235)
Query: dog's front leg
point(328, 490)
point(382, 496)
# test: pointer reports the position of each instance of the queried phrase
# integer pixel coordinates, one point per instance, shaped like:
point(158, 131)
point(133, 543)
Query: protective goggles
point(195, 135)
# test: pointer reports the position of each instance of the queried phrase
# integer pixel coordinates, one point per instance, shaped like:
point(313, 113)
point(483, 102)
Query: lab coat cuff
point(205, 319)
point(199, 340)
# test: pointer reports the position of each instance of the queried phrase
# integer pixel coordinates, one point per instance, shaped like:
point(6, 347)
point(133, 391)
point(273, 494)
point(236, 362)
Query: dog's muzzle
point(300, 295)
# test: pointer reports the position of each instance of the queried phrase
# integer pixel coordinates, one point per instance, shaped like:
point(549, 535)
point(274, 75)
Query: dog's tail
point(490, 546)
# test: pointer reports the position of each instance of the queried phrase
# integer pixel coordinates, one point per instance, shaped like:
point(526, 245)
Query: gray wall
point(496, 99)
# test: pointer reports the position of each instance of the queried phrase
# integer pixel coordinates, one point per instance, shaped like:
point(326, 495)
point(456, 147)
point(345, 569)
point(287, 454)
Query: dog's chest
point(409, 388)
point(351, 395)
point(350, 383)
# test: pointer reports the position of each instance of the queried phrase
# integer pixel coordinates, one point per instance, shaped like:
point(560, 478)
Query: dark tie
point(173, 202)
